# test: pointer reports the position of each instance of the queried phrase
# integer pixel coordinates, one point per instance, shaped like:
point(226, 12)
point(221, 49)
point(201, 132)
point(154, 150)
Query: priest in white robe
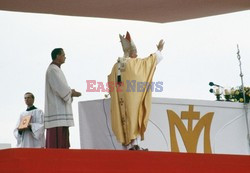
point(58, 115)
point(33, 135)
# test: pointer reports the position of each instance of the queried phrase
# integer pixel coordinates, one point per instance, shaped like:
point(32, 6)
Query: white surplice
point(58, 100)
point(33, 138)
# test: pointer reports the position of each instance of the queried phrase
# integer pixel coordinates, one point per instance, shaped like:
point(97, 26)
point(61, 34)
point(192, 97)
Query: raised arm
point(159, 46)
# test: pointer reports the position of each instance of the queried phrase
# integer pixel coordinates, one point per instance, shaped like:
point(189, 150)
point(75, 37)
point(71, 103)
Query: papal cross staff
point(244, 96)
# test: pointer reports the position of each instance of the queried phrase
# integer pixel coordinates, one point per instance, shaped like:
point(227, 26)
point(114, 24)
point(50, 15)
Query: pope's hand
point(160, 45)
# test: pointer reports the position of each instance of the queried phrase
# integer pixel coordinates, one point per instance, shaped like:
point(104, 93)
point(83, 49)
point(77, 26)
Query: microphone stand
point(244, 96)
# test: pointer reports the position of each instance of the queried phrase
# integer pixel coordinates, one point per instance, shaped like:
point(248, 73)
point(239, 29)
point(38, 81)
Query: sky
point(196, 52)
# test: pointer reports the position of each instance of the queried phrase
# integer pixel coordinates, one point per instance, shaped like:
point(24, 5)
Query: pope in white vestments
point(33, 136)
point(130, 109)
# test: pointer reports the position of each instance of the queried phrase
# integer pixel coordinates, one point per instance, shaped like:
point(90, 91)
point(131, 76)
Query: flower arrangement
point(236, 94)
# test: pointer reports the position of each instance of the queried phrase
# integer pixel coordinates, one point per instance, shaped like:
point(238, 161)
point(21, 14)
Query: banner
point(175, 125)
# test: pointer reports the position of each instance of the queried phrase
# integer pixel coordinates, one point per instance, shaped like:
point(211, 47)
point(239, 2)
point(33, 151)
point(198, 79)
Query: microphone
point(211, 90)
point(213, 84)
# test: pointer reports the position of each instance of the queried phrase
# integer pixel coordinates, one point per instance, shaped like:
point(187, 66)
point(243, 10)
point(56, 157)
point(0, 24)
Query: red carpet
point(109, 161)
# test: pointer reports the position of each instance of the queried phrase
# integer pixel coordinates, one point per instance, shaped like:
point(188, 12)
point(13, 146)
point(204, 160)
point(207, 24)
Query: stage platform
point(116, 161)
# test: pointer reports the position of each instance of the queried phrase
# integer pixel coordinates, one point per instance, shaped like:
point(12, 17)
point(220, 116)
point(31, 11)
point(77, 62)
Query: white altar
point(177, 125)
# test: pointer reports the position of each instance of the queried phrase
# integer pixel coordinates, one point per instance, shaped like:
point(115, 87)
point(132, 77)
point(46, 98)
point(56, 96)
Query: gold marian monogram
point(190, 135)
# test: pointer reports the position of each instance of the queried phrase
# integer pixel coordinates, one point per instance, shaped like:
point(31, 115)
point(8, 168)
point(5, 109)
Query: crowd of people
point(129, 110)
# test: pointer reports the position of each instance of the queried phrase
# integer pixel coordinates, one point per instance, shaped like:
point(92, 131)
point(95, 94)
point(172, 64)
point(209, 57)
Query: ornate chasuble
point(131, 101)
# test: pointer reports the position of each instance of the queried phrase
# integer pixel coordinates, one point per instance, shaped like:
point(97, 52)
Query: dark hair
point(55, 52)
point(30, 94)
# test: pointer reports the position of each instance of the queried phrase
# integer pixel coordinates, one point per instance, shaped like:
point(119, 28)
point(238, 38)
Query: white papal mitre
point(127, 44)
